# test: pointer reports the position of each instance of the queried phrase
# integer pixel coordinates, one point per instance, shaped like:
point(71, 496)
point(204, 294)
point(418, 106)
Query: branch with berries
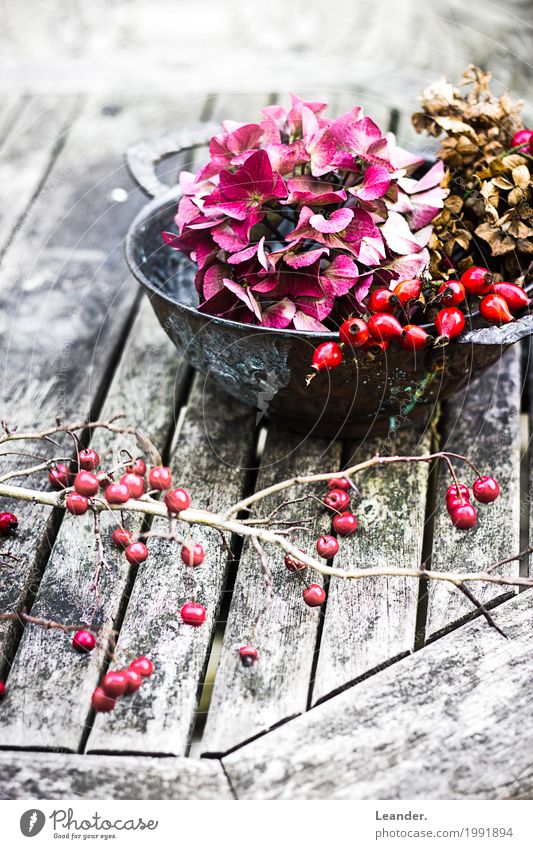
point(130, 484)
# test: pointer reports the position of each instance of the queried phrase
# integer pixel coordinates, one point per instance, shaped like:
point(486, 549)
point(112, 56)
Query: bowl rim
point(171, 197)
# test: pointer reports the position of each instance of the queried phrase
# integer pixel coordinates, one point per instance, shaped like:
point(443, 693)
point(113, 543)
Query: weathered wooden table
point(395, 690)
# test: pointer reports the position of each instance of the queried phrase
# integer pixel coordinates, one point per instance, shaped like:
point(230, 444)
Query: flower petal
point(376, 182)
point(280, 314)
point(337, 221)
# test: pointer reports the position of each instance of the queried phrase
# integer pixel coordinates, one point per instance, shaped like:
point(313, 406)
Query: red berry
point(452, 293)
point(453, 492)
point(160, 477)
point(83, 641)
point(449, 322)
point(384, 327)
point(192, 556)
point(88, 459)
point(515, 296)
point(248, 655)
point(136, 553)
point(456, 501)
point(76, 503)
point(193, 613)
point(486, 489)
point(337, 500)
point(413, 337)
point(86, 484)
point(138, 467)
point(407, 290)
point(177, 500)
point(143, 666)
point(344, 524)
point(476, 280)
point(122, 537)
point(523, 139)
point(495, 309)
point(339, 483)
point(382, 300)
point(327, 546)
point(2, 689)
point(116, 493)
point(101, 702)
point(354, 332)
point(60, 476)
point(133, 681)
point(114, 683)
point(376, 345)
point(464, 517)
point(328, 355)
point(314, 595)
point(8, 524)
point(293, 564)
point(135, 484)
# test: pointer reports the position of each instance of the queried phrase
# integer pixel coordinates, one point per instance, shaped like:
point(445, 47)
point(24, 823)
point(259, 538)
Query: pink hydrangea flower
point(294, 218)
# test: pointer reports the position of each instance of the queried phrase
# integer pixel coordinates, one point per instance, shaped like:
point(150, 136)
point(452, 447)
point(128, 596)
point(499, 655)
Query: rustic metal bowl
point(267, 368)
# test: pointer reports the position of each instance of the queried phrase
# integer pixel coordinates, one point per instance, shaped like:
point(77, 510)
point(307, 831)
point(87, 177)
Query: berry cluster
point(397, 314)
point(344, 523)
point(462, 513)
point(120, 682)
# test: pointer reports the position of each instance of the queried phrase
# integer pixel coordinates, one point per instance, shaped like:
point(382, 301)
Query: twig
point(482, 609)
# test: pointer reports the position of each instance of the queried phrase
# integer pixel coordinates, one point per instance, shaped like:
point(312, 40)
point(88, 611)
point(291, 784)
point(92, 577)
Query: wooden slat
point(482, 423)
point(63, 330)
point(213, 451)
point(46, 672)
point(36, 775)
point(249, 701)
point(369, 623)
point(10, 108)
point(441, 724)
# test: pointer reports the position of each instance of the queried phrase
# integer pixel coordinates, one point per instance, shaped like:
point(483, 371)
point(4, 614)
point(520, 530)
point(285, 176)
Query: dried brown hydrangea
point(490, 203)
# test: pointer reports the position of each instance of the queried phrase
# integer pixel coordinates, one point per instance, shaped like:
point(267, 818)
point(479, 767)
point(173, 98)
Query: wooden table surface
point(394, 690)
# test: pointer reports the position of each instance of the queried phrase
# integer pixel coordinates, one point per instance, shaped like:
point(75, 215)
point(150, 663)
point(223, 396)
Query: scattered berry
point(115, 683)
point(328, 355)
point(248, 655)
point(177, 500)
point(60, 476)
point(337, 500)
point(122, 537)
point(344, 524)
point(116, 493)
point(354, 332)
point(413, 337)
point(495, 309)
point(384, 327)
point(143, 666)
point(134, 483)
point(138, 467)
point(523, 139)
point(76, 503)
point(464, 516)
point(293, 564)
point(83, 641)
point(136, 553)
point(193, 613)
point(327, 546)
point(86, 484)
point(407, 291)
point(476, 280)
point(160, 477)
point(486, 489)
point(452, 293)
point(8, 524)
point(382, 300)
point(514, 295)
point(133, 681)
point(194, 556)
point(314, 595)
point(449, 322)
point(101, 702)
point(88, 459)
point(339, 483)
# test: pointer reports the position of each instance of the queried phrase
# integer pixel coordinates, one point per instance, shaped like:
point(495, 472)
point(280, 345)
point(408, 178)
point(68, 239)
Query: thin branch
point(482, 609)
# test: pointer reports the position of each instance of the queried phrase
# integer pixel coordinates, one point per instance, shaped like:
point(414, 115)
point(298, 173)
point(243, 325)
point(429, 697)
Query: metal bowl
point(267, 368)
